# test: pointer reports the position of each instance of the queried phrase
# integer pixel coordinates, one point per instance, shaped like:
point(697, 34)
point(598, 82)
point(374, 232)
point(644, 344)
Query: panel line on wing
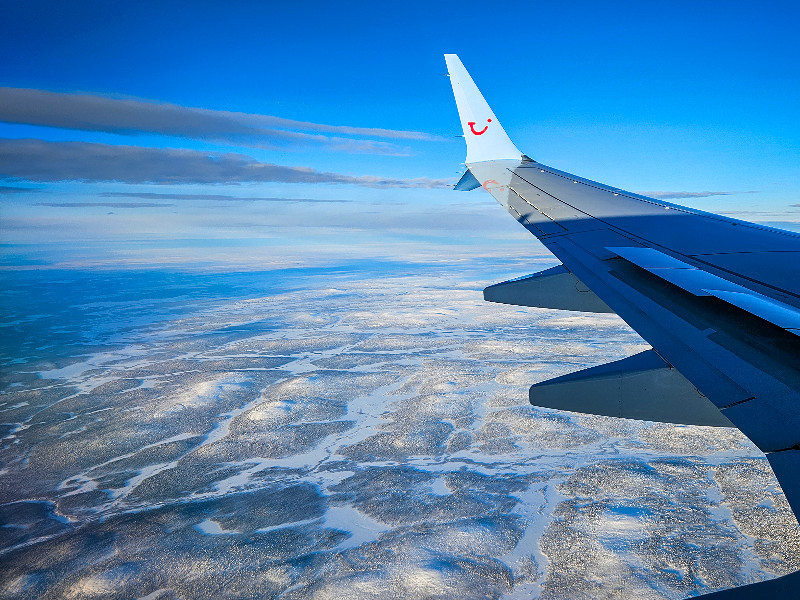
point(737, 403)
point(619, 192)
point(529, 203)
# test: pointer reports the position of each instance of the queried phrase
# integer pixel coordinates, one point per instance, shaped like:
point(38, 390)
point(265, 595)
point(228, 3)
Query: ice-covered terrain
point(360, 432)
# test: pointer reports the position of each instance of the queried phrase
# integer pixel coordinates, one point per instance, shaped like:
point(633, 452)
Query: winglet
point(486, 138)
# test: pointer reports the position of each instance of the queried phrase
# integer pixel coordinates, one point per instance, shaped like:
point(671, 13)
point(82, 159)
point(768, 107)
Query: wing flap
point(642, 387)
point(552, 288)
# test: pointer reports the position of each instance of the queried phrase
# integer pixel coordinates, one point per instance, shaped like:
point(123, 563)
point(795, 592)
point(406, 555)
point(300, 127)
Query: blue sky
point(343, 109)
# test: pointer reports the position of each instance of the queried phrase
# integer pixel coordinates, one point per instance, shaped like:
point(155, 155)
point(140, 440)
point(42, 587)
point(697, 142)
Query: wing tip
point(486, 139)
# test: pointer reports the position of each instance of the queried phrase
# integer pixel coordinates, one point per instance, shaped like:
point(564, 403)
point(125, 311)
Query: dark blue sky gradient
point(649, 96)
point(364, 61)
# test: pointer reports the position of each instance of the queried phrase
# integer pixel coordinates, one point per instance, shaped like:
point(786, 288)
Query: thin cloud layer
point(218, 197)
point(104, 204)
point(678, 195)
point(134, 116)
point(40, 161)
point(12, 189)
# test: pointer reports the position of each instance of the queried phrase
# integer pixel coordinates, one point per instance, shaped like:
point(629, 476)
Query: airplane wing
point(718, 299)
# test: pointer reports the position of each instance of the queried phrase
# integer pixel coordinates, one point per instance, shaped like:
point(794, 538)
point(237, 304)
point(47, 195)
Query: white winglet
point(486, 138)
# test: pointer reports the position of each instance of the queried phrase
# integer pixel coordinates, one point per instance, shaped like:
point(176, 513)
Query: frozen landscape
point(355, 432)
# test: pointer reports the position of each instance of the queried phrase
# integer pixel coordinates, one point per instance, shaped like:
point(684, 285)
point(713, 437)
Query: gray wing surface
point(718, 299)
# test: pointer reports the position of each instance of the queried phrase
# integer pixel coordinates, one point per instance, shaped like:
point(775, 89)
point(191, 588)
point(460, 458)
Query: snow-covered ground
point(348, 434)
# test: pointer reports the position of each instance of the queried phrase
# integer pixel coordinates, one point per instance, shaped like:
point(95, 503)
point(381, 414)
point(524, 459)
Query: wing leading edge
point(718, 299)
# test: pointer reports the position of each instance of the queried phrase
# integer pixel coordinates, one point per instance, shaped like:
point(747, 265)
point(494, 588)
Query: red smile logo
point(482, 131)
